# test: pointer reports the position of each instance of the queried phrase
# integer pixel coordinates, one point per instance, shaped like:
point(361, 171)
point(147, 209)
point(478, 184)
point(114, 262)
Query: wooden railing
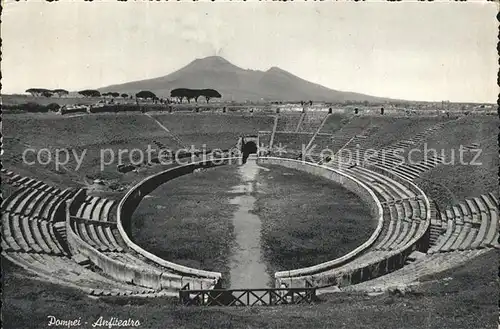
point(247, 297)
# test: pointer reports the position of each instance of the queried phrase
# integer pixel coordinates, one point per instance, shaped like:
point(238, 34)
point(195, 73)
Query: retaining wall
point(132, 274)
point(322, 276)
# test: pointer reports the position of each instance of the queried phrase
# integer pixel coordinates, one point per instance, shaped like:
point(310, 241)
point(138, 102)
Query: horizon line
point(387, 98)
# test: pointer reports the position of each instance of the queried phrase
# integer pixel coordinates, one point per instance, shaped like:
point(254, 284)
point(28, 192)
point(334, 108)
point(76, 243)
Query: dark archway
point(248, 148)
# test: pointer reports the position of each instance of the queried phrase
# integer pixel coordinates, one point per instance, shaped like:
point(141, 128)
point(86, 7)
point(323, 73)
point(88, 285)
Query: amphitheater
point(431, 216)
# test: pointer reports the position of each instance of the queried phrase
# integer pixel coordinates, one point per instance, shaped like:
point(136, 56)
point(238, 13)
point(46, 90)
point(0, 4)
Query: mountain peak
point(274, 69)
point(211, 60)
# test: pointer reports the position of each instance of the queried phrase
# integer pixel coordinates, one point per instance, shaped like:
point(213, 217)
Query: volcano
point(235, 83)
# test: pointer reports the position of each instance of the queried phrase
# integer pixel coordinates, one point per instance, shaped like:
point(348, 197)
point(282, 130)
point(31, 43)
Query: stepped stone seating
point(493, 198)
point(405, 172)
point(94, 233)
point(97, 235)
point(98, 211)
point(288, 122)
point(399, 190)
point(391, 216)
point(386, 156)
point(472, 224)
point(18, 180)
point(24, 226)
point(106, 211)
point(405, 212)
point(49, 211)
point(42, 201)
point(481, 234)
point(49, 237)
point(18, 234)
point(66, 271)
point(39, 245)
point(91, 224)
point(26, 201)
point(423, 266)
point(31, 235)
point(95, 208)
point(413, 171)
point(408, 234)
point(292, 142)
point(311, 121)
point(466, 213)
point(459, 242)
point(264, 139)
point(15, 200)
point(8, 238)
point(32, 202)
point(30, 239)
point(342, 136)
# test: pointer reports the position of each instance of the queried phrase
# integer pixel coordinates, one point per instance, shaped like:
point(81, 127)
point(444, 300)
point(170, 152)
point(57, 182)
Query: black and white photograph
point(250, 164)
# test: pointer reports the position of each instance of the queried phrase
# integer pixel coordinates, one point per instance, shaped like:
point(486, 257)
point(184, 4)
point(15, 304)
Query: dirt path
point(170, 134)
point(247, 269)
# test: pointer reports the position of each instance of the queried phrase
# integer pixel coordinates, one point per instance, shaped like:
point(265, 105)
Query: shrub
point(54, 107)
point(32, 107)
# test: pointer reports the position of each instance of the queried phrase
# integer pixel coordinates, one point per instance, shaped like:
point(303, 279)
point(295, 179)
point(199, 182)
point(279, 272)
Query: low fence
point(247, 297)
point(370, 269)
point(132, 274)
point(131, 200)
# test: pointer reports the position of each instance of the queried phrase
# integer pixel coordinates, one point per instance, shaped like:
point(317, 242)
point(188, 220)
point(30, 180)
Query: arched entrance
point(248, 148)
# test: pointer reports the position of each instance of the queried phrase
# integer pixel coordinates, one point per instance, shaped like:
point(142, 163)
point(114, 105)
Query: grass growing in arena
point(460, 298)
point(307, 220)
point(188, 220)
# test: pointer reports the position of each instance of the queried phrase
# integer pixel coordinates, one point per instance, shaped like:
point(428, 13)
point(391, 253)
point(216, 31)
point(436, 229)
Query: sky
point(406, 50)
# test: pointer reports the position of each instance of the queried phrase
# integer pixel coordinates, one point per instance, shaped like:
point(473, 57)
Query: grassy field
point(188, 220)
point(23, 99)
point(307, 219)
point(96, 133)
point(216, 131)
point(461, 298)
